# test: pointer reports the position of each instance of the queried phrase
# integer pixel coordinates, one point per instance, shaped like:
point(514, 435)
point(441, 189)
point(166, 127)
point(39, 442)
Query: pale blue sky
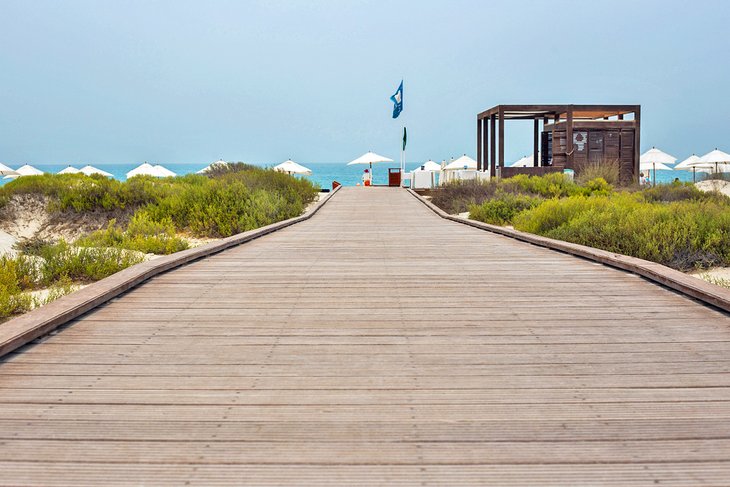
point(259, 81)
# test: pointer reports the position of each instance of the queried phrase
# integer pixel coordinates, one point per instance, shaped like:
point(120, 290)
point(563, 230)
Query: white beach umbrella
point(7, 171)
point(656, 156)
point(657, 160)
point(462, 163)
point(28, 170)
point(687, 163)
point(429, 166)
point(692, 164)
point(219, 162)
point(717, 158)
point(69, 170)
point(658, 166)
point(369, 158)
point(163, 172)
point(89, 170)
point(144, 169)
point(291, 167)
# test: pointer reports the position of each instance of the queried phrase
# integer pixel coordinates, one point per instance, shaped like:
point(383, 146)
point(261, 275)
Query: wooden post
point(637, 143)
point(501, 140)
point(485, 145)
point(493, 145)
point(536, 132)
point(556, 119)
point(479, 143)
point(569, 138)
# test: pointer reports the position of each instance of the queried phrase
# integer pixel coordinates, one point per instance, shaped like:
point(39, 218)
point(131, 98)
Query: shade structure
point(526, 161)
point(219, 162)
point(656, 156)
point(692, 164)
point(656, 160)
point(69, 170)
point(291, 167)
point(687, 163)
point(429, 166)
point(7, 171)
point(144, 169)
point(89, 170)
point(462, 163)
point(163, 172)
point(28, 170)
point(657, 166)
point(369, 158)
point(717, 158)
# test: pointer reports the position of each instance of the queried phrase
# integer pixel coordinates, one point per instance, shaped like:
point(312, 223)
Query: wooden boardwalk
point(376, 344)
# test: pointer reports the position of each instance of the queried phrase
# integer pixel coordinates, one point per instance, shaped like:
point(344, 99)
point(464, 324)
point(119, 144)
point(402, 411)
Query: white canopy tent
point(210, 166)
point(69, 170)
point(460, 168)
point(657, 160)
point(7, 171)
point(291, 167)
point(526, 161)
point(429, 166)
point(89, 170)
point(463, 163)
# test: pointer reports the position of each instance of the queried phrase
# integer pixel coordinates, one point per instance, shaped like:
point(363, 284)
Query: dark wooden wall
point(592, 144)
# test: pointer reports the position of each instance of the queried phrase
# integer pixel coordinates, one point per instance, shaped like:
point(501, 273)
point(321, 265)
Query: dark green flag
point(405, 137)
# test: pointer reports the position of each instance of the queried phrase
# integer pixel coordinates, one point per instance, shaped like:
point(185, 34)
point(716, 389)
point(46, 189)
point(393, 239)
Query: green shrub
point(682, 234)
point(458, 196)
point(12, 299)
point(232, 199)
point(598, 186)
point(552, 185)
point(142, 234)
point(608, 170)
point(502, 209)
point(681, 192)
point(83, 264)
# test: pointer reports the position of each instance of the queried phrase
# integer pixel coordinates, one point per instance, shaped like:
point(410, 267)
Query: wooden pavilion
point(571, 136)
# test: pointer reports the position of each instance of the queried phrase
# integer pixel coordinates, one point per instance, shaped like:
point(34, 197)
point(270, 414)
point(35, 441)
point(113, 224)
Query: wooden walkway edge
point(376, 343)
point(18, 331)
point(696, 288)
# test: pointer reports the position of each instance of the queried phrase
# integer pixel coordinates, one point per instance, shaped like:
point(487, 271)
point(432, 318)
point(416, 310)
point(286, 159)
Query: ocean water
point(322, 173)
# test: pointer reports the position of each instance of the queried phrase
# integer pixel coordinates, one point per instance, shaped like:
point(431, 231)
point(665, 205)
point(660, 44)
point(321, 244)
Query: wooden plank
point(351, 349)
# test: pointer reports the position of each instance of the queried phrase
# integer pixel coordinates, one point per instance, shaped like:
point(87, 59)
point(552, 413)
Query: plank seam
point(25, 328)
point(710, 294)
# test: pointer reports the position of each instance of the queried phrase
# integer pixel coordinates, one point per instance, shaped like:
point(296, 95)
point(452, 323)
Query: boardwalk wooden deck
point(376, 344)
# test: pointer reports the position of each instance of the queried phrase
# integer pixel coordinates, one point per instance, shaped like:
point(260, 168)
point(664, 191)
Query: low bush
point(458, 196)
point(142, 234)
point(608, 170)
point(681, 192)
point(502, 208)
point(553, 185)
point(82, 264)
point(682, 234)
point(12, 298)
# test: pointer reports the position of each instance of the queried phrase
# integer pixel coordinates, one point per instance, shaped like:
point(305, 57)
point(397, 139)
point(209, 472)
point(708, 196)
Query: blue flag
point(397, 101)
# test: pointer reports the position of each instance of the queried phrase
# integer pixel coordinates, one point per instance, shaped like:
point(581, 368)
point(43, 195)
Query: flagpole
point(403, 156)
